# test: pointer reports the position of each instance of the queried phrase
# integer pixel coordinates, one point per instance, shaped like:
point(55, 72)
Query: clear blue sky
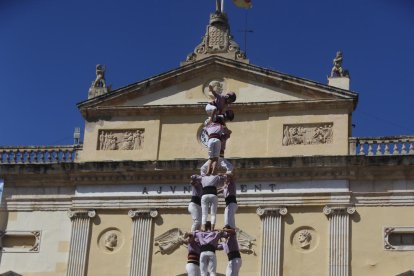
point(49, 49)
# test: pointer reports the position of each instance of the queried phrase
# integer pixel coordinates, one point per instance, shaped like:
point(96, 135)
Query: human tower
point(204, 239)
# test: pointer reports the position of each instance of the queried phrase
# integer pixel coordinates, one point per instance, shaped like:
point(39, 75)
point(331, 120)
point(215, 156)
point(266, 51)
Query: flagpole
point(222, 6)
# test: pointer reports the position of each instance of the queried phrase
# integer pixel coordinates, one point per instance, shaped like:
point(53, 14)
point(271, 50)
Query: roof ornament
point(217, 40)
point(337, 70)
point(98, 86)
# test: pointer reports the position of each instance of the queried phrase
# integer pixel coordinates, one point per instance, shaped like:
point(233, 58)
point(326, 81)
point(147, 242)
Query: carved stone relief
point(110, 240)
point(218, 86)
point(304, 239)
point(307, 134)
point(171, 240)
point(20, 241)
point(121, 139)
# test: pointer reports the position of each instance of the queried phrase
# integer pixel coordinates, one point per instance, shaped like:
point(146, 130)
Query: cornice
point(219, 64)
point(179, 171)
point(95, 113)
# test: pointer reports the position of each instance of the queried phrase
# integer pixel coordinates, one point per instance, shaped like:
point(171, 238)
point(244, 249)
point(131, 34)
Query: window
point(399, 238)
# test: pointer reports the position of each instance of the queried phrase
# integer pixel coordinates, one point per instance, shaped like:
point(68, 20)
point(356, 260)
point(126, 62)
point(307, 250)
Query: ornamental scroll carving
point(121, 139)
point(307, 134)
point(171, 240)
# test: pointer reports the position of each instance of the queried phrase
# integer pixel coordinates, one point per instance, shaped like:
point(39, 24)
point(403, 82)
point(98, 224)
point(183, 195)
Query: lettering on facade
point(307, 134)
point(121, 139)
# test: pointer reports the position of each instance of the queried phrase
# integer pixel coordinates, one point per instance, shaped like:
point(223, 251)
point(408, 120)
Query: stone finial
point(339, 77)
point(100, 76)
point(337, 70)
point(217, 40)
point(99, 86)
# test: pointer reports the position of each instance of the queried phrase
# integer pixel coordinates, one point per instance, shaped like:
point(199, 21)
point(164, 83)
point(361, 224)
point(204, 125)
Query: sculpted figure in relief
point(100, 76)
point(111, 241)
point(121, 139)
point(304, 238)
point(170, 241)
point(307, 134)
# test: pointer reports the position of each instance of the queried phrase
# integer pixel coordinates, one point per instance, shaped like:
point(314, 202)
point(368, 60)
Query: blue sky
point(49, 49)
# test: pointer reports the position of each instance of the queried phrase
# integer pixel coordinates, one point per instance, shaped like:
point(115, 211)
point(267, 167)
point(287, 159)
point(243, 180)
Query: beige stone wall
point(51, 260)
point(172, 137)
point(255, 134)
point(368, 254)
point(174, 264)
point(103, 261)
point(312, 261)
point(151, 125)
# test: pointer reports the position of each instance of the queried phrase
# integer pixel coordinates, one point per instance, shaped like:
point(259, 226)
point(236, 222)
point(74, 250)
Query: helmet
point(231, 96)
point(229, 115)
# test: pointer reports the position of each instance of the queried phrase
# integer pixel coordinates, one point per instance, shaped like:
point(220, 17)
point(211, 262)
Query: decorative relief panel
point(171, 240)
point(121, 139)
point(20, 241)
point(307, 134)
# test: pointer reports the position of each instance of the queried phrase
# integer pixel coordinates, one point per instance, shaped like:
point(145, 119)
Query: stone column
point(141, 241)
point(79, 241)
point(271, 240)
point(339, 229)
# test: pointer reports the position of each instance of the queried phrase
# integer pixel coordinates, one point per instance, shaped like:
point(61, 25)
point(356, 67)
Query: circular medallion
point(110, 240)
point(202, 136)
point(218, 86)
point(304, 239)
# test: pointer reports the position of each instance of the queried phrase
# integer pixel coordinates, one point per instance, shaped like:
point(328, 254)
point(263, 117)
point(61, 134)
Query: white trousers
point(208, 263)
point(195, 211)
point(206, 201)
point(229, 214)
point(214, 147)
point(222, 163)
point(192, 269)
point(233, 267)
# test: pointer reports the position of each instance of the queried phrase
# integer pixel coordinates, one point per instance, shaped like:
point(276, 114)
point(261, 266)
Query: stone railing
point(38, 154)
point(379, 146)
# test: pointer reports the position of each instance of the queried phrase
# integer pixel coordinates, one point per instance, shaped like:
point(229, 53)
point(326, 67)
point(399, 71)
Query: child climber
point(220, 102)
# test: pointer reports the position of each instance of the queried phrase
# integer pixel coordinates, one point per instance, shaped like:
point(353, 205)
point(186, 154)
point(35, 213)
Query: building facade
point(313, 200)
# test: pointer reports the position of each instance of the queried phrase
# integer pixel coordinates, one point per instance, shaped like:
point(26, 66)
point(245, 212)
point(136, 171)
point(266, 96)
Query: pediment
point(187, 86)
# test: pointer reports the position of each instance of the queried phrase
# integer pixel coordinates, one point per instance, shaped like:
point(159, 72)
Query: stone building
point(313, 200)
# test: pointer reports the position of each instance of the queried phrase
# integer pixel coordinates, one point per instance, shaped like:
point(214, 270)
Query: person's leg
point(204, 210)
point(192, 269)
point(195, 211)
point(212, 264)
point(229, 215)
point(213, 210)
point(237, 262)
point(223, 163)
point(213, 165)
point(204, 262)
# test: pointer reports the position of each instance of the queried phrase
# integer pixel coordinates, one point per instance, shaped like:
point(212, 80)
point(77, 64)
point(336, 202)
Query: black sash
point(208, 247)
point(196, 200)
point(230, 199)
point(233, 254)
point(210, 190)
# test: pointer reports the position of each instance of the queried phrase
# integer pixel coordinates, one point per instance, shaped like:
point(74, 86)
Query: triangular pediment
point(188, 84)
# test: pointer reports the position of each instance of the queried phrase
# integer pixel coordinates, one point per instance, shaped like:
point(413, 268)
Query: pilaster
point(79, 241)
point(271, 239)
point(141, 247)
point(339, 231)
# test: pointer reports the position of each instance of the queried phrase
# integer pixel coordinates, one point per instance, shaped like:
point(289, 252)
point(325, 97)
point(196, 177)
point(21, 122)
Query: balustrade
point(38, 154)
point(380, 146)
